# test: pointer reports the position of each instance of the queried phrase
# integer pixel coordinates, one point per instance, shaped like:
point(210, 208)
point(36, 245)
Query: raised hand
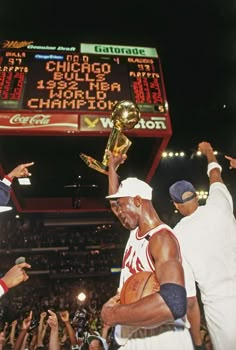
point(16, 275)
point(20, 171)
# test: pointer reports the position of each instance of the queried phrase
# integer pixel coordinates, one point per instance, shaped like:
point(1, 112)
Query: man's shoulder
point(180, 226)
point(219, 191)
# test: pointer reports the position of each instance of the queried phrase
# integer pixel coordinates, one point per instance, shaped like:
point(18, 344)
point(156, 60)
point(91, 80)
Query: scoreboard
point(70, 91)
point(81, 78)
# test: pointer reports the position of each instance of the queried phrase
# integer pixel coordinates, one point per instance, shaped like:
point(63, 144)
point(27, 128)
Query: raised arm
point(13, 333)
point(214, 168)
point(113, 177)
point(65, 317)
point(54, 336)
point(41, 327)
point(24, 329)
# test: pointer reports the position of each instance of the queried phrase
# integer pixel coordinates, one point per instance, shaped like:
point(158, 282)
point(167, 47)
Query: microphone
point(20, 260)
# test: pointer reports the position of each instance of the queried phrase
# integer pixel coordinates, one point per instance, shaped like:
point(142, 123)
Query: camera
point(34, 324)
point(81, 321)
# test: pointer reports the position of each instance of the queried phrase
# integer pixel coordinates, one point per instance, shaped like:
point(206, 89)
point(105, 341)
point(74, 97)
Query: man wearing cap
point(157, 321)
point(207, 236)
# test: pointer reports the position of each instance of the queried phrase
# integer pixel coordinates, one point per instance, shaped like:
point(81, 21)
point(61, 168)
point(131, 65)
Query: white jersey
point(174, 335)
point(208, 243)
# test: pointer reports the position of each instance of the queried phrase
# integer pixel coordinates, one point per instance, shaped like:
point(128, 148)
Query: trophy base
point(94, 164)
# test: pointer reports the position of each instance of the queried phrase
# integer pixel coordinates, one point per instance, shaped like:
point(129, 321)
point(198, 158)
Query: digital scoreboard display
point(87, 77)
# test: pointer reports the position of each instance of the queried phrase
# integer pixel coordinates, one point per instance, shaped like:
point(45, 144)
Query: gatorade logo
point(118, 50)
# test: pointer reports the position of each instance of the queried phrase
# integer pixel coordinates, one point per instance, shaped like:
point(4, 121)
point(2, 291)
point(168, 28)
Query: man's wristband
point(213, 165)
point(3, 285)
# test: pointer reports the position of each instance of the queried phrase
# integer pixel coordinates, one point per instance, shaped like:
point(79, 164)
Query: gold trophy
point(125, 115)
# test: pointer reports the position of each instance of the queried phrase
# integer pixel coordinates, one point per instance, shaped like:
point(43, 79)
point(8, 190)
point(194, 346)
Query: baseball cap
point(102, 340)
point(178, 189)
point(132, 187)
point(4, 208)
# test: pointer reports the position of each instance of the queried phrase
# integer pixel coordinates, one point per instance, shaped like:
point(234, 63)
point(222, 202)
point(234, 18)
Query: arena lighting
point(198, 153)
point(173, 154)
point(202, 194)
point(81, 297)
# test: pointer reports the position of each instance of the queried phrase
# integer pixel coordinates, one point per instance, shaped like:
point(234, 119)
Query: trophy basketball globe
point(125, 115)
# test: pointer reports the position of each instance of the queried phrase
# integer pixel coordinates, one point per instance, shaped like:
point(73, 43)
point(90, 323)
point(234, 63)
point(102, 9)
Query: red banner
point(83, 124)
point(38, 123)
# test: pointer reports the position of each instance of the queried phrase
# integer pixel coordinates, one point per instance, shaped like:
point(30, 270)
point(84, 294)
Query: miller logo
point(15, 44)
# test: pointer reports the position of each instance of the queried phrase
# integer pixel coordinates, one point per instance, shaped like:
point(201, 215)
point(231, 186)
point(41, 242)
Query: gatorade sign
point(118, 50)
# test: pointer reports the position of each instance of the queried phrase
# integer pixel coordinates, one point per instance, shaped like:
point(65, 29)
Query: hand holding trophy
point(125, 115)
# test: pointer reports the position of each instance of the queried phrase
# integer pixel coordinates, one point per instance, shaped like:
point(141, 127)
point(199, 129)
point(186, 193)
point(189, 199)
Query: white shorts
point(161, 338)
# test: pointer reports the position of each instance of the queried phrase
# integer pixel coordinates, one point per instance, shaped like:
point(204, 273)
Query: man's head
point(132, 187)
point(97, 342)
point(130, 199)
point(184, 195)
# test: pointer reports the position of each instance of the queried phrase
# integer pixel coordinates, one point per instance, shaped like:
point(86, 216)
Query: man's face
point(127, 212)
point(95, 345)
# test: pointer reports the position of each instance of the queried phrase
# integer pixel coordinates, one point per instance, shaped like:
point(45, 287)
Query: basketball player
point(156, 321)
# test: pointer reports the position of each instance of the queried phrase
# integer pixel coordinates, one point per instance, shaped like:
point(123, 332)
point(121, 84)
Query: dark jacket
point(4, 193)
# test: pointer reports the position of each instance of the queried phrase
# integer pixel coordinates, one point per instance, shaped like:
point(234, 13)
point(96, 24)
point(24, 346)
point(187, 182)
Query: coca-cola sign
point(37, 119)
point(39, 122)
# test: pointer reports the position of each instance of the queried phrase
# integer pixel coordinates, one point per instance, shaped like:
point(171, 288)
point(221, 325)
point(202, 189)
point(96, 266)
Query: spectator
point(42, 326)
point(5, 184)
point(207, 236)
point(21, 339)
point(97, 342)
point(232, 162)
point(65, 317)
point(3, 337)
point(13, 277)
point(54, 343)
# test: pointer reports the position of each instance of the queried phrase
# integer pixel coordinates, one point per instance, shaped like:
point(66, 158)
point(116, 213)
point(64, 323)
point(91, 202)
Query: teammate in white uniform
point(207, 237)
point(158, 320)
